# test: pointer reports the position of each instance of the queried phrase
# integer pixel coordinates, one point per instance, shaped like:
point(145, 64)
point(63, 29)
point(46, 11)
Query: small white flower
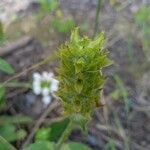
point(47, 76)
point(36, 76)
point(36, 83)
point(46, 100)
point(45, 91)
point(37, 90)
point(54, 85)
point(45, 85)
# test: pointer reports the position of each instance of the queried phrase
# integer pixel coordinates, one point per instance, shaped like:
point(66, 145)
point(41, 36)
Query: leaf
point(6, 131)
point(53, 132)
point(21, 134)
point(57, 129)
point(9, 129)
point(43, 134)
point(2, 94)
point(63, 26)
point(75, 146)
point(48, 5)
point(3, 147)
point(5, 67)
point(41, 145)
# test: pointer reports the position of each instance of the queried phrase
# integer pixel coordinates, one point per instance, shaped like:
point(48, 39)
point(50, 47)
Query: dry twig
point(39, 122)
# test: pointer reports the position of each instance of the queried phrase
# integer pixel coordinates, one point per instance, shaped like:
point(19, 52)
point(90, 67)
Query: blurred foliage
point(2, 37)
point(6, 67)
point(18, 119)
point(1, 31)
point(53, 132)
point(9, 129)
point(45, 145)
point(63, 26)
point(110, 145)
point(123, 92)
point(142, 19)
point(41, 145)
point(2, 96)
point(75, 146)
point(48, 5)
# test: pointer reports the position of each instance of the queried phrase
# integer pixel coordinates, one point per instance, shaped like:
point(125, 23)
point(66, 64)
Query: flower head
point(45, 85)
point(81, 78)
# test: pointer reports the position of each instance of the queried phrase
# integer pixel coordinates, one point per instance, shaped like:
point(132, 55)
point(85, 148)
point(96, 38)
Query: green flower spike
point(81, 78)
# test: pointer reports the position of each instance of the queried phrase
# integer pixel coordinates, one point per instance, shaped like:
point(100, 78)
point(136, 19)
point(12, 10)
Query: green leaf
point(57, 129)
point(41, 145)
point(75, 146)
point(2, 94)
point(3, 147)
point(5, 67)
point(63, 26)
point(110, 145)
point(43, 134)
point(21, 134)
point(48, 5)
point(53, 132)
point(6, 131)
point(9, 129)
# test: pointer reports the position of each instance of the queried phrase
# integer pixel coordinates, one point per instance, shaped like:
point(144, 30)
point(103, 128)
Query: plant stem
point(7, 144)
point(17, 84)
point(97, 16)
point(65, 135)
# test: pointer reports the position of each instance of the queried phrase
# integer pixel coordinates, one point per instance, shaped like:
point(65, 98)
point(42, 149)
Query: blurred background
point(32, 30)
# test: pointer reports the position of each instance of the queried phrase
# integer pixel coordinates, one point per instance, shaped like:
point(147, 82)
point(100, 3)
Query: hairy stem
point(7, 144)
point(65, 135)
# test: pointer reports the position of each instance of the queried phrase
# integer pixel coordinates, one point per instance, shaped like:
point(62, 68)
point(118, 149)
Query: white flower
point(45, 91)
point(45, 85)
point(37, 76)
point(37, 83)
point(47, 100)
point(54, 85)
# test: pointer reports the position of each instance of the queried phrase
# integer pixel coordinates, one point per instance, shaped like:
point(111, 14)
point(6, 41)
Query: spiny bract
point(81, 79)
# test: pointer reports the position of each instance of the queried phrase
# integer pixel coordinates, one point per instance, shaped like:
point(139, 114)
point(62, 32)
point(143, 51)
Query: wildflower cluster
point(81, 78)
point(45, 84)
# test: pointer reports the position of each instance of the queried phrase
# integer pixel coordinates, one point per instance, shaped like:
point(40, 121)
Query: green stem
point(65, 135)
point(7, 144)
point(97, 16)
point(17, 84)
